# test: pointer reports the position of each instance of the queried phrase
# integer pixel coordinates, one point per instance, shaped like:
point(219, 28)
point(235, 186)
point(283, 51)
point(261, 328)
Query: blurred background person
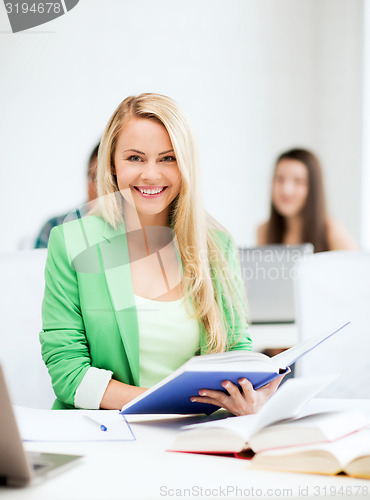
point(298, 208)
point(92, 194)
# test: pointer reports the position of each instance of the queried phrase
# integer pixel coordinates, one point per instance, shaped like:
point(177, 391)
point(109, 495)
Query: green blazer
point(88, 312)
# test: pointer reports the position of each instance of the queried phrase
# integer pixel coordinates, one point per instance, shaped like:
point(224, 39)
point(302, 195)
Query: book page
point(345, 450)
point(286, 403)
point(289, 399)
point(231, 360)
point(243, 426)
point(349, 447)
point(320, 427)
point(290, 356)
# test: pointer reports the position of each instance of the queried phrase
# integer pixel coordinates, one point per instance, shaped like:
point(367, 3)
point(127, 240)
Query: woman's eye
point(168, 158)
point(300, 182)
point(134, 158)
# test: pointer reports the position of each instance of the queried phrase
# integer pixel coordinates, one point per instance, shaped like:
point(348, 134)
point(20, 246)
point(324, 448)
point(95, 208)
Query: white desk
point(273, 336)
point(142, 469)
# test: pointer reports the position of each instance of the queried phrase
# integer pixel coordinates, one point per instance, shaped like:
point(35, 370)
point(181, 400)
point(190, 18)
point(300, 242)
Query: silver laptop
point(268, 275)
point(18, 467)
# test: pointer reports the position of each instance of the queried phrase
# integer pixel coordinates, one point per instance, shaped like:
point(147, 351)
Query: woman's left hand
point(239, 401)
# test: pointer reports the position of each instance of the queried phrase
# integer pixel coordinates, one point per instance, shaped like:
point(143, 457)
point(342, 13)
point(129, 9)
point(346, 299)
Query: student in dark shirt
point(43, 237)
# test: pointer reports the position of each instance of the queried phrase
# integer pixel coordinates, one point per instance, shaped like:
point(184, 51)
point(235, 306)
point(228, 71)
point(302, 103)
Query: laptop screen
point(268, 274)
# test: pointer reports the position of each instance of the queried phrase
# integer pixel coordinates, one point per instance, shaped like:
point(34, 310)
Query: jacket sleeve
point(238, 337)
point(64, 346)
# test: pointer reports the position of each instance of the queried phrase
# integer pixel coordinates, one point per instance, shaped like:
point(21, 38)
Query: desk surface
point(142, 469)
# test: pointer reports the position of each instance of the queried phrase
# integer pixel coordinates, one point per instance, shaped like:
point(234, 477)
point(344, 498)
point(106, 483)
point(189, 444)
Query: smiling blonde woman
point(148, 279)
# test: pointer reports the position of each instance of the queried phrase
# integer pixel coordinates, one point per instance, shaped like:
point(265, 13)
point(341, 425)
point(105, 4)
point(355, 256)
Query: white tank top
point(168, 337)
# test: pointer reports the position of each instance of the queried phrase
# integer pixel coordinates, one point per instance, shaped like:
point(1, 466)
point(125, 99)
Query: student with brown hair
point(298, 208)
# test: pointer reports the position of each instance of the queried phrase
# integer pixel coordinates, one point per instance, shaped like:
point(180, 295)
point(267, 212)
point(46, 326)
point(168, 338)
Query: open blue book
point(173, 393)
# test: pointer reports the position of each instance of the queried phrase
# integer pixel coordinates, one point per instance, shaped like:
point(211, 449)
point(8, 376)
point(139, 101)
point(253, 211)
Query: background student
point(43, 237)
point(298, 209)
point(150, 280)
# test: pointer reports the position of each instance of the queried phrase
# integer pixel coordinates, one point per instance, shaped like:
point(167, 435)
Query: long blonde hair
point(204, 262)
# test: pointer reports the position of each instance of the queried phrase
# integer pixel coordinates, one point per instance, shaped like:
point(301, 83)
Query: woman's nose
point(288, 187)
point(151, 171)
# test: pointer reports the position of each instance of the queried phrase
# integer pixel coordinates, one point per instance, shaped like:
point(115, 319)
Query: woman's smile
point(150, 192)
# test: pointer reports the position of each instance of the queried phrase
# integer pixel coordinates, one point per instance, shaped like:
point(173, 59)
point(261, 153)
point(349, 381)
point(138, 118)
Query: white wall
point(365, 209)
point(340, 105)
point(255, 76)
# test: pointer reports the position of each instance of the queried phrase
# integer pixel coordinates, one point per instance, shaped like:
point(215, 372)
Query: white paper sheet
point(70, 425)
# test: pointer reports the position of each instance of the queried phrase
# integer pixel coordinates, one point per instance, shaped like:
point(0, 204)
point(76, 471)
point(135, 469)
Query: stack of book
point(346, 451)
point(282, 437)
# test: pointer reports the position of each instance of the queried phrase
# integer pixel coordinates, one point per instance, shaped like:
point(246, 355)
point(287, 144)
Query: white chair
point(21, 292)
point(333, 288)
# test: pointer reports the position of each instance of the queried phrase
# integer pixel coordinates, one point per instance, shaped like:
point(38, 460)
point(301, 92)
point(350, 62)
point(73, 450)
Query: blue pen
point(94, 422)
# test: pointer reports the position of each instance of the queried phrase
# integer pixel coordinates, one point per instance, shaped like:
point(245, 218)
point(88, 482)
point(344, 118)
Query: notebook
point(18, 467)
point(268, 274)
